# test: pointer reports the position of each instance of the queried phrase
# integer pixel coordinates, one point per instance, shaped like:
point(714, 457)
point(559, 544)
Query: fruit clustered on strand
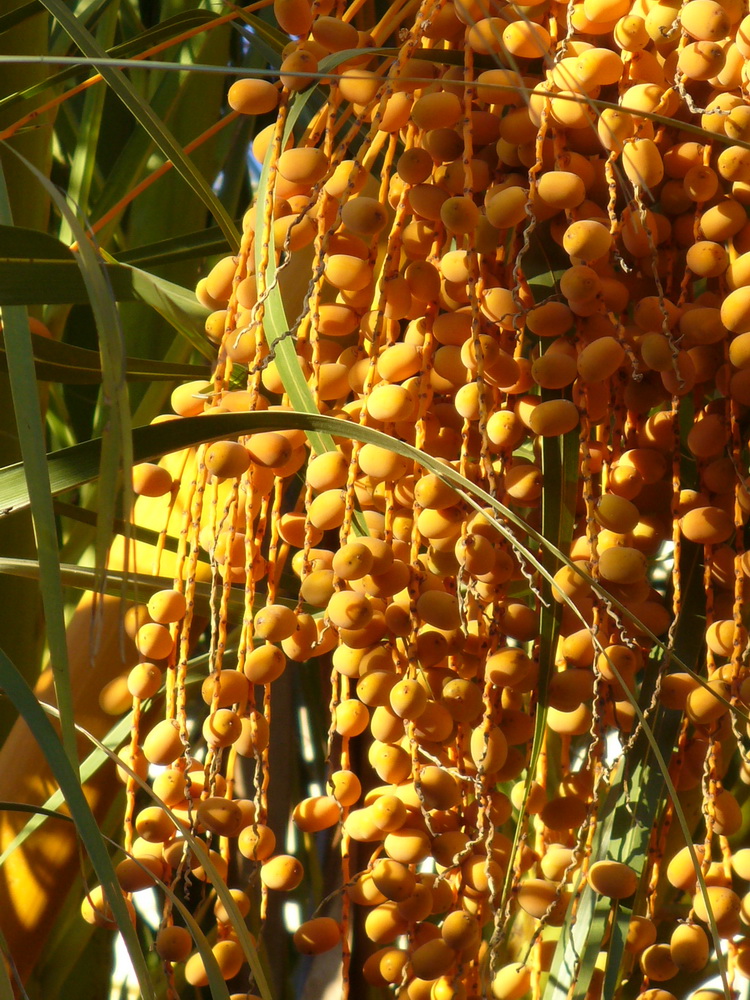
point(509, 234)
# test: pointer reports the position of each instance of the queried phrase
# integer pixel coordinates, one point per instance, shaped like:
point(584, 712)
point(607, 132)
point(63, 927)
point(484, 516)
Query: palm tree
point(387, 408)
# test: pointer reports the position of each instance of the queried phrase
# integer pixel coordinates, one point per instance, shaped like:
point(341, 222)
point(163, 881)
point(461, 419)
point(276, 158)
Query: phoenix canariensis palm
point(461, 491)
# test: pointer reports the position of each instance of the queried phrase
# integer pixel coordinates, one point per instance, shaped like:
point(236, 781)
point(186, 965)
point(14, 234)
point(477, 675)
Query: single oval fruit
point(613, 879)
point(282, 873)
point(253, 97)
point(313, 937)
point(707, 525)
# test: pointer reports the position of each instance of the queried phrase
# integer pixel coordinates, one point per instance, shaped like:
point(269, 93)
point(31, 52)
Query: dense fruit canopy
point(517, 255)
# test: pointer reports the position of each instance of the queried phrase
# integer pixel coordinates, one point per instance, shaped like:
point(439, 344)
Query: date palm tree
point(372, 499)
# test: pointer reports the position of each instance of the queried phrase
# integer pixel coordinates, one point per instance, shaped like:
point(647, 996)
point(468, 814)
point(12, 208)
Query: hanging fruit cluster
point(520, 233)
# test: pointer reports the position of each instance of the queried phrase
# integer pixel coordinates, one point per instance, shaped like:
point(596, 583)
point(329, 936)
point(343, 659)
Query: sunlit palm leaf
point(140, 108)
